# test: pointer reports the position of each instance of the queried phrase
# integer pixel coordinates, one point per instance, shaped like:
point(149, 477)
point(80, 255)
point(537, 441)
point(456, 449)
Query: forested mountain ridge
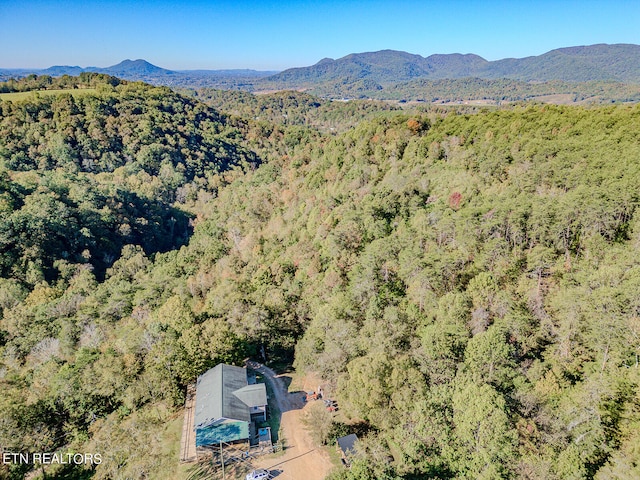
point(467, 283)
point(385, 66)
point(618, 62)
point(600, 73)
point(127, 70)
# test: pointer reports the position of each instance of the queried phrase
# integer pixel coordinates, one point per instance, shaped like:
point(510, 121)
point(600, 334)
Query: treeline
point(492, 91)
point(504, 90)
point(47, 82)
point(294, 108)
point(467, 283)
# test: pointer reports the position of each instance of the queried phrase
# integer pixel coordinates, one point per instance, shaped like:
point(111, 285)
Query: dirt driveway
point(301, 459)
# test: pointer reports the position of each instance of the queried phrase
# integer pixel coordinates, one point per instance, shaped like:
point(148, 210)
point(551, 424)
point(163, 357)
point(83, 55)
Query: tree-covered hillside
point(466, 283)
point(294, 108)
point(83, 175)
point(504, 91)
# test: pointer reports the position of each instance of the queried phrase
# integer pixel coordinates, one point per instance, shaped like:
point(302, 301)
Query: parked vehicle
point(331, 405)
point(312, 396)
point(261, 474)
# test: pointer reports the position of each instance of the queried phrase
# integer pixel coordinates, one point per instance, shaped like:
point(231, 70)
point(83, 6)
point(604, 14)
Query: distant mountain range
point(619, 63)
point(147, 72)
point(598, 73)
point(134, 69)
point(375, 74)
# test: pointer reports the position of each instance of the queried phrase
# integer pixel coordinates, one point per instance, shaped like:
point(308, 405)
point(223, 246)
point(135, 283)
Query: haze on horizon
point(272, 35)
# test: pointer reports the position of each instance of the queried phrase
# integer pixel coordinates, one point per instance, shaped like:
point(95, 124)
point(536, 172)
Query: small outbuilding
point(347, 446)
point(226, 405)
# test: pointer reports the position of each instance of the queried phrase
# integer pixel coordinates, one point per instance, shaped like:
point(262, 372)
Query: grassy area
point(297, 382)
point(171, 446)
point(35, 93)
point(334, 455)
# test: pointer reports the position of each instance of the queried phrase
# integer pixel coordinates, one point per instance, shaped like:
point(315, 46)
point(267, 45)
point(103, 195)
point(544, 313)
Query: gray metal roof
point(215, 400)
point(348, 444)
point(253, 395)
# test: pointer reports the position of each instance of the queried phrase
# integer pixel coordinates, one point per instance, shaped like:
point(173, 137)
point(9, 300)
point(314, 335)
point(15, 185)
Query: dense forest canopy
point(83, 175)
point(35, 82)
point(294, 108)
point(467, 282)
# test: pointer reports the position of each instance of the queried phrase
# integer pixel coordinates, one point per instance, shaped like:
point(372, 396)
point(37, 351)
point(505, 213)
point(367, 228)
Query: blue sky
point(270, 35)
